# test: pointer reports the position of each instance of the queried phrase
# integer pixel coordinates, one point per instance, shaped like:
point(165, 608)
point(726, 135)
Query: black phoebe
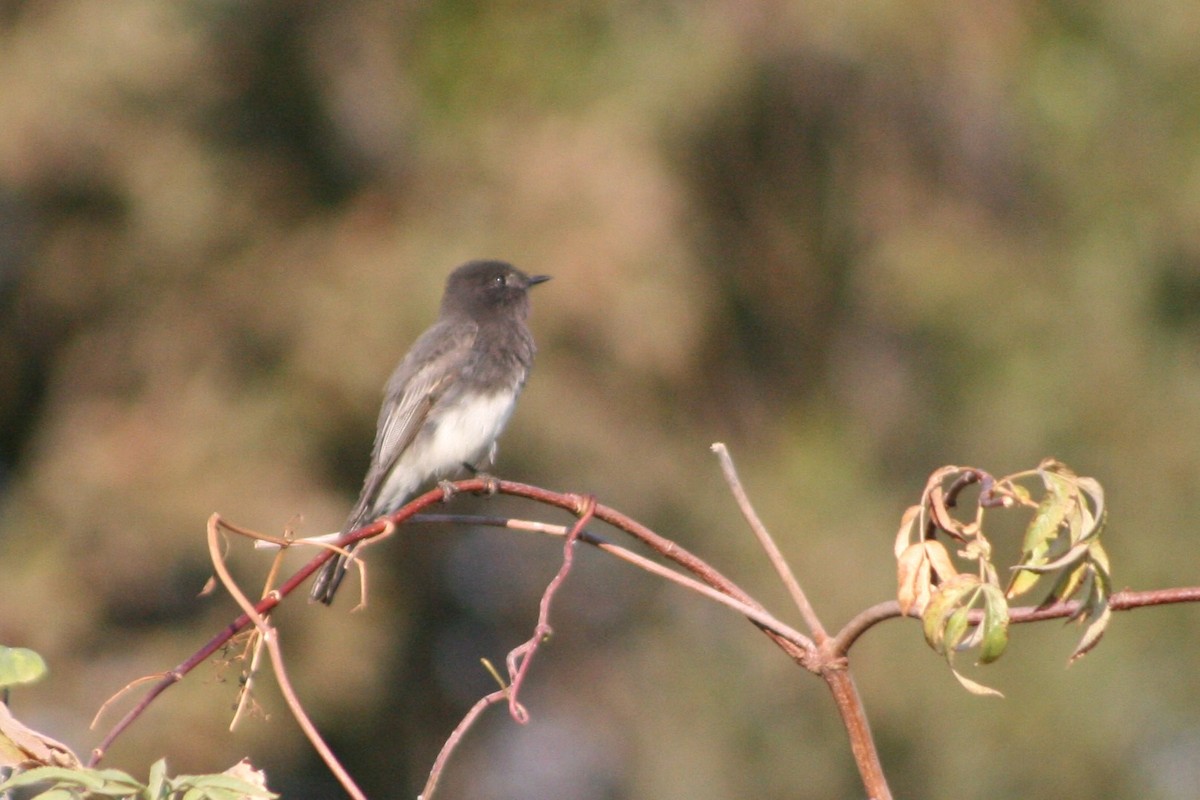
point(450, 397)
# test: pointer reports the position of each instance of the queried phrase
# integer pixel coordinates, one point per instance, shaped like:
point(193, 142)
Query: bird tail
point(330, 577)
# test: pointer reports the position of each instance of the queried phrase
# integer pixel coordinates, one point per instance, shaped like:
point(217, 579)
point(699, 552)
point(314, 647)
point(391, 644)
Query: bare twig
point(256, 647)
point(797, 647)
point(271, 637)
point(757, 615)
point(460, 730)
point(830, 665)
point(768, 544)
point(845, 638)
point(520, 658)
point(124, 690)
point(220, 639)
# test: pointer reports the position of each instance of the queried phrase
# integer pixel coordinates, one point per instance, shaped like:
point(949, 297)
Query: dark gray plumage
point(449, 398)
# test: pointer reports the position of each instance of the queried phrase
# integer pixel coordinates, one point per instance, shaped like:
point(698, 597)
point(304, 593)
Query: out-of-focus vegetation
point(855, 241)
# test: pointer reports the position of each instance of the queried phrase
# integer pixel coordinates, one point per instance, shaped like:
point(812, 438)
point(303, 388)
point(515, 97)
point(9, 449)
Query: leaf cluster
point(969, 608)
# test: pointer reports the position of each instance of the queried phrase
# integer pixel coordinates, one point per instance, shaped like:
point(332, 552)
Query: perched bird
point(449, 398)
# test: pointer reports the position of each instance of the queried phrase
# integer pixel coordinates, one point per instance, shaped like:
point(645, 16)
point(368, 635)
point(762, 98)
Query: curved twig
point(798, 647)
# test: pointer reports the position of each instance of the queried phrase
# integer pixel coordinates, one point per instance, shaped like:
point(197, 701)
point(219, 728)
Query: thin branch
point(1127, 600)
point(460, 730)
point(524, 652)
point(256, 647)
point(862, 743)
point(758, 616)
point(271, 637)
point(768, 544)
point(542, 630)
point(124, 690)
point(865, 619)
point(713, 584)
point(797, 647)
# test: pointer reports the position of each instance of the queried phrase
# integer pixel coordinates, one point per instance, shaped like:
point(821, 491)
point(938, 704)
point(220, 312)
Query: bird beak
point(536, 279)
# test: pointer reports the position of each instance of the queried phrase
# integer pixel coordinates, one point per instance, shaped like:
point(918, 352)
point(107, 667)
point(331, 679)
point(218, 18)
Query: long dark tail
point(330, 578)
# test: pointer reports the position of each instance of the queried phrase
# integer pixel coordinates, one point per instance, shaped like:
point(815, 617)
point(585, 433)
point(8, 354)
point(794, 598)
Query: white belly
point(465, 434)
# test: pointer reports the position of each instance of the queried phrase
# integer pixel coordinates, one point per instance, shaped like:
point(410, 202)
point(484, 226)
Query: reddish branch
point(828, 658)
point(573, 503)
point(520, 658)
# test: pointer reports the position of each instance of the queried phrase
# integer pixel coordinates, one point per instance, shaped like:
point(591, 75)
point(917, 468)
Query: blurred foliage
point(854, 241)
point(240, 782)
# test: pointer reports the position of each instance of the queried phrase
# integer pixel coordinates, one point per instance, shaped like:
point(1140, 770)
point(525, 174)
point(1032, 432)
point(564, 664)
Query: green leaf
point(956, 626)
point(85, 778)
point(994, 626)
point(19, 665)
point(1023, 580)
point(1020, 493)
point(1086, 594)
point(1053, 509)
point(223, 783)
point(156, 786)
point(1077, 553)
point(1039, 536)
point(57, 793)
point(942, 605)
point(116, 777)
point(1066, 584)
point(1099, 557)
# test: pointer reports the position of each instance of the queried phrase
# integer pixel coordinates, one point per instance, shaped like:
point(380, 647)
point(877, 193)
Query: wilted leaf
point(1093, 632)
point(975, 688)
point(912, 578)
point(905, 536)
point(245, 771)
point(23, 746)
point(920, 568)
point(941, 515)
point(939, 559)
point(1095, 493)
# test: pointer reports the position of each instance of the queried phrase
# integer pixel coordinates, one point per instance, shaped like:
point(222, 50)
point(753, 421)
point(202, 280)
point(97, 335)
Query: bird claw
point(490, 484)
point(448, 489)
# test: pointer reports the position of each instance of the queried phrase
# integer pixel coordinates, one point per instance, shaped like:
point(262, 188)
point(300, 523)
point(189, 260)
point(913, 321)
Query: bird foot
point(490, 484)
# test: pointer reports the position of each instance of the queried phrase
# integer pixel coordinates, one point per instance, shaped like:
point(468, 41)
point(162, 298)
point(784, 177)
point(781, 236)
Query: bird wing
point(432, 366)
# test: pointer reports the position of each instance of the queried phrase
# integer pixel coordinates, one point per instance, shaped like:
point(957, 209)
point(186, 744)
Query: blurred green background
point(855, 241)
